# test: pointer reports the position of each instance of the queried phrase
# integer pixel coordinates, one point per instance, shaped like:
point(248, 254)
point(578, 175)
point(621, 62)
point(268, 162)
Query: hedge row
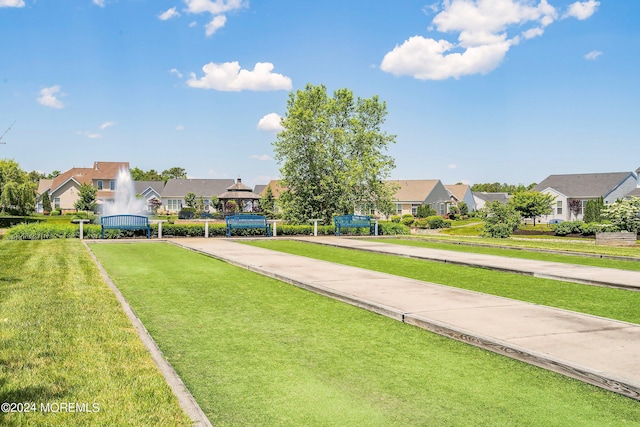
point(42, 231)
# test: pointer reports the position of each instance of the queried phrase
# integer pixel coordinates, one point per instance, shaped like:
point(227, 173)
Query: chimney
point(239, 180)
point(96, 165)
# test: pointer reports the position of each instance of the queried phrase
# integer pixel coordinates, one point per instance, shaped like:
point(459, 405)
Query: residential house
point(175, 191)
point(462, 193)
point(412, 193)
point(636, 191)
point(572, 192)
point(65, 188)
point(481, 198)
point(150, 191)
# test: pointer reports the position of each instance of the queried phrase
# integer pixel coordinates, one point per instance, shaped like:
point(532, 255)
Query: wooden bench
point(125, 222)
point(352, 221)
point(247, 221)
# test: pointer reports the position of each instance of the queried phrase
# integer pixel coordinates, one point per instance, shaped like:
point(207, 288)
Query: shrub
point(568, 227)
point(390, 228)
point(407, 219)
point(591, 229)
point(396, 218)
point(438, 222)
point(425, 211)
point(421, 223)
point(186, 213)
point(499, 220)
point(55, 212)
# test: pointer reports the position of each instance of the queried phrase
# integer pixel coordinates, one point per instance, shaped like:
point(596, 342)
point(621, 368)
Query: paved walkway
point(599, 351)
point(544, 269)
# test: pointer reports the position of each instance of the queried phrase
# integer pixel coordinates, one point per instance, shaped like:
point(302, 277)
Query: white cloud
point(179, 127)
point(217, 8)
point(48, 97)
point(12, 3)
point(89, 135)
point(582, 10)
point(98, 2)
point(168, 14)
point(486, 30)
point(106, 125)
point(192, 24)
point(176, 72)
point(216, 23)
point(452, 166)
point(593, 55)
point(261, 157)
point(229, 77)
point(270, 123)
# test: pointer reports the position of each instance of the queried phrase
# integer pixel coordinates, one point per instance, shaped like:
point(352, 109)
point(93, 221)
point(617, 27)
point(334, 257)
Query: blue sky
point(476, 90)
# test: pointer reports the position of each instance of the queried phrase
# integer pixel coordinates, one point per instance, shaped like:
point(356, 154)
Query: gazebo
point(243, 196)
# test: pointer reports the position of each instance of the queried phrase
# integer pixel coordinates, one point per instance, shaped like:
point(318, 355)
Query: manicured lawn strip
point(538, 242)
point(606, 302)
point(65, 338)
point(522, 253)
point(256, 351)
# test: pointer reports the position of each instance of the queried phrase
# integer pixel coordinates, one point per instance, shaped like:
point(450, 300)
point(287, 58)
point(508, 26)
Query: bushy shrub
point(424, 211)
point(407, 219)
point(55, 212)
point(568, 227)
point(591, 229)
point(421, 223)
point(389, 228)
point(499, 220)
point(186, 213)
point(438, 222)
point(396, 218)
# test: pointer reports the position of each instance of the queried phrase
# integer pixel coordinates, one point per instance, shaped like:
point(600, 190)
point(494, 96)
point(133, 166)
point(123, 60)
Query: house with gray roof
point(572, 192)
point(175, 191)
point(462, 193)
point(150, 190)
point(411, 193)
point(482, 198)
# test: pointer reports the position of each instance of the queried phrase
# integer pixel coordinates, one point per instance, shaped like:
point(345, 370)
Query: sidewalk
point(599, 351)
point(544, 269)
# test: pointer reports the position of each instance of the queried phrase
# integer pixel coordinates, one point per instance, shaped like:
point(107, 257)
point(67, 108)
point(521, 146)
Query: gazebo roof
point(239, 191)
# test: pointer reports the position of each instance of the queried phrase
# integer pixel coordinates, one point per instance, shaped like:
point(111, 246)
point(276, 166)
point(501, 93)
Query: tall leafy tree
point(532, 204)
point(174, 173)
point(17, 192)
point(46, 202)
point(332, 153)
point(86, 198)
point(499, 220)
point(593, 210)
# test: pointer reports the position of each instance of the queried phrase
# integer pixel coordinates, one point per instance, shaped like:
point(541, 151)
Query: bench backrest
point(352, 220)
point(124, 221)
point(247, 220)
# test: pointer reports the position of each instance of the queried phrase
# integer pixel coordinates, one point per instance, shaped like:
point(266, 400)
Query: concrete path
point(545, 269)
point(599, 351)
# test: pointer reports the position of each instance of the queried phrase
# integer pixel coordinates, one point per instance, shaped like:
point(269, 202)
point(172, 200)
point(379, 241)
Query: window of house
point(174, 204)
point(414, 209)
point(112, 185)
point(56, 203)
point(399, 208)
point(559, 207)
point(99, 184)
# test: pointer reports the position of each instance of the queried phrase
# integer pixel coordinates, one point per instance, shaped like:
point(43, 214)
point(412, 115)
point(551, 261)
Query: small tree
point(199, 206)
point(86, 198)
point(593, 210)
point(268, 202)
point(532, 204)
point(464, 208)
point(624, 214)
point(424, 211)
point(190, 200)
point(499, 220)
point(574, 207)
point(46, 202)
point(155, 204)
point(231, 206)
point(215, 203)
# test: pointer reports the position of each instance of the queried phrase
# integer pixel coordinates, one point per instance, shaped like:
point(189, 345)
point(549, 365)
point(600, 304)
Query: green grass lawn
point(554, 243)
point(64, 338)
point(256, 351)
point(633, 265)
point(600, 301)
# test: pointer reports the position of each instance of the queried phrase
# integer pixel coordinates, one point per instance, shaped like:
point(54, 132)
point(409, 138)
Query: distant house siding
point(559, 205)
point(438, 199)
point(622, 190)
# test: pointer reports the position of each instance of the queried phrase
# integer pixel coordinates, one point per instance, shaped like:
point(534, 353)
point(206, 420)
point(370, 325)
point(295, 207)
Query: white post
point(275, 228)
point(375, 230)
point(206, 229)
point(315, 228)
point(160, 229)
point(81, 229)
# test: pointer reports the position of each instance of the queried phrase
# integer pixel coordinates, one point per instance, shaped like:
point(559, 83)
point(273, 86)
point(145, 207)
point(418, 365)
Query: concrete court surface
point(545, 269)
point(596, 350)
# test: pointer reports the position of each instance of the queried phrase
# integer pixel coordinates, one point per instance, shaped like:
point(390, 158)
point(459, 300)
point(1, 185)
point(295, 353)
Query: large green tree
point(86, 198)
point(17, 192)
point(532, 204)
point(332, 153)
point(499, 220)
